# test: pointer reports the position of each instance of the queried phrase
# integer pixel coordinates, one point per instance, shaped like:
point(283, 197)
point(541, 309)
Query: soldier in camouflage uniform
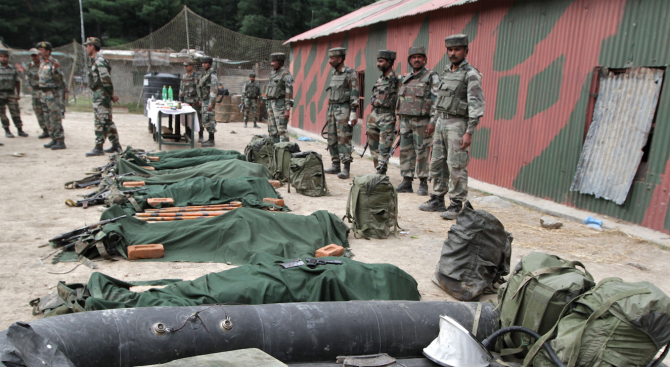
point(33, 79)
point(251, 91)
point(343, 98)
point(10, 93)
point(415, 98)
point(188, 92)
point(380, 125)
point(456, 114)
point(207, 92)
point(279, 94)
point(51, 77)
point(100, 82)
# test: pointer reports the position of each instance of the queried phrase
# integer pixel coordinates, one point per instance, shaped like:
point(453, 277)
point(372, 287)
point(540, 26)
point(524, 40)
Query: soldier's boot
point(423, 187)
point(60, 144)
point(115, 148)
point(22, 133)
point(8, 134)
point(405, 185)
point(96, 151)
point(44, 135)
point(200, 136)
point(335, 169)
point(435, 204)
point(50, 144)
point(245, 124)
point(210, 142)
point(256, 125)
point(345, 172)
point(452, 211)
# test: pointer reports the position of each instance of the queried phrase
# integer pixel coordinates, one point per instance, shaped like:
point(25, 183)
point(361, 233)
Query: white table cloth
point(152, 108)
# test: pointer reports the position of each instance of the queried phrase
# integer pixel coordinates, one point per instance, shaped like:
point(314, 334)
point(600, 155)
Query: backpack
point(534, 296)
point(306, 174)
point(260, 150)
point(281, 161)
point(615, 324)
point(372, 206)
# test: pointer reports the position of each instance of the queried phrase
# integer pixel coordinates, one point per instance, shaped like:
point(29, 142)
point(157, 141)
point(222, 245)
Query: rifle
point(367, 143)
point(80, 232)
point(96, 198)
point(390, 154)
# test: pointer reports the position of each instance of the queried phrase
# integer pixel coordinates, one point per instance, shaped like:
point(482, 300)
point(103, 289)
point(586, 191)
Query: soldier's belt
point(274, 99)
point(383, 110)
point(445, 116)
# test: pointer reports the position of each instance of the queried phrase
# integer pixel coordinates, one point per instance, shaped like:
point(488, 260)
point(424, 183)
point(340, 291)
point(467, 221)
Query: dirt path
point(33, 210)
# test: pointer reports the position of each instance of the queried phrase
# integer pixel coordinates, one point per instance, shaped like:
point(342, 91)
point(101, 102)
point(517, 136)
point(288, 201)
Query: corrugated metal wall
point(537, 58)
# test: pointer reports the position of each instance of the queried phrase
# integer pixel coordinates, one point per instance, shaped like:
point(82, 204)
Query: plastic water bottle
point(170, 94)
point(164, 94)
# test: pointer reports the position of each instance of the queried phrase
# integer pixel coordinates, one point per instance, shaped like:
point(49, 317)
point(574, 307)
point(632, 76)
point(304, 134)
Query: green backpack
point(281, 161)
point(615, 324)
point(534, 296)
point(306, 174)
point(372, 206)
point(260, 150)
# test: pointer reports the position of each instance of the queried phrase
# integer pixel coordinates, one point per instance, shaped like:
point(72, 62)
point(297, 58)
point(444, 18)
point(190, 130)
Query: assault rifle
point(383, 165)
point(96, 198)
point(367, 144)
point(71, 237)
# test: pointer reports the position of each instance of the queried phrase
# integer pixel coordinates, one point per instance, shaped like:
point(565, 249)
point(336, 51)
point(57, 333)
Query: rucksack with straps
point(260, 150)
point(615, 324)
point(306, 174)
point(281, 160)
point(534, 296)
point(372, 206)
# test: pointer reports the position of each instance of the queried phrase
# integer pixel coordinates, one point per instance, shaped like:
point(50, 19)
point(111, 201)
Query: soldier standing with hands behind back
point(10, 94)
point(380, 124)
point(207, 92)
point(50, 78)
point(459, 106)
point(279, 94)
point(251, 91)
point(33, 79)
point(188, 92)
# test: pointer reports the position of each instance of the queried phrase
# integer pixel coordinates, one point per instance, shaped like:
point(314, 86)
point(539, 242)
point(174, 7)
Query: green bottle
point(170, 94)
point(164, 94)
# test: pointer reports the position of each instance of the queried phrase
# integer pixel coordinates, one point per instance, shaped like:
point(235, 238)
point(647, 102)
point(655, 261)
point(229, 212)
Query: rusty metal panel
point(622, 119)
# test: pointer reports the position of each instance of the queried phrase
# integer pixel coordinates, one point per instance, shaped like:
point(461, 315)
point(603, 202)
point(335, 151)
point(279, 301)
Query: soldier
point(207, 92)
point(33, 79)
point(415, 98)
point(251, 93)
point(380, 124)
point(188, 92)
point(459, 106)
point(341, 118)
point(50, 78)
point(10, 94)
point(279, 94)
point(100, 82)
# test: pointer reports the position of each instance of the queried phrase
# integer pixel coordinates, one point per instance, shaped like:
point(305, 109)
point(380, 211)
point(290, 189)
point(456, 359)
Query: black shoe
point(60, 144)
point(44, 135)
point(335, 169)
point(50, 144)
point(200, 137)
point(8, 134)
point(115, 148)
point(256, 126)
point(245, 124)
point(345, 172)
point(405, 185)
point(435, 204)
point(22, 134)
point(423, 187)
point(452, 211)
point(96, 151)
point(210, 142)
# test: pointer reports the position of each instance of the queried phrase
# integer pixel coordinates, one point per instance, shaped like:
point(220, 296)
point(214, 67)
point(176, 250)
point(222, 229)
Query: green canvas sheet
point(263, 281)
point(174, 163)
point(232, 237)
point(188, 153)
point(215, 170)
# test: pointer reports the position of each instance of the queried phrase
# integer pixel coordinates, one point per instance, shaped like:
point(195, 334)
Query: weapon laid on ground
point(367, 143)
point(66, 238)
point(98, 197)
point(312, 263)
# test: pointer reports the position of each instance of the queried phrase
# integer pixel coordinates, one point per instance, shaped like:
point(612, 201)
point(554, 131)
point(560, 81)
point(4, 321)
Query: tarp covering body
point(173, 163)
point(232, 237)
point(215, 170)
point(189, 153)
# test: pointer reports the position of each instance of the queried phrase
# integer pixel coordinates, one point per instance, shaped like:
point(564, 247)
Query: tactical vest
point(253, 90)
point(452, 96)
point(205, 86)
point(414, 96)
point(190, 90)
point(7, 79)
point(49, 79)
point(276, 87)
point(339, 90)
point(384, 93)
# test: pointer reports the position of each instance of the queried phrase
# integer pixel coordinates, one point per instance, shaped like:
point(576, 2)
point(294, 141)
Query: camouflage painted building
point(549, 71)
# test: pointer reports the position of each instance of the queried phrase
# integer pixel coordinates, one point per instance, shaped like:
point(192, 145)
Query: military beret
point(337, 51)
point(33, 51)
point(4, 51)
point(93, 41)
point(207, 59)
point(187, 63)
point(45, 45)
point(252, 75)
point(386, 54)
point(456, 40)
point(417, 50)
point(278, 56)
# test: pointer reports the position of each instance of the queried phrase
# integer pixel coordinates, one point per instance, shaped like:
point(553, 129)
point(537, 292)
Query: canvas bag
point(281, 161)
point(372, 206)
point(306, 175)
point(260, 150)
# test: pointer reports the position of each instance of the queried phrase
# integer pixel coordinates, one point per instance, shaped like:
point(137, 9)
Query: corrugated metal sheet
point(622, 119)
point(380, 11)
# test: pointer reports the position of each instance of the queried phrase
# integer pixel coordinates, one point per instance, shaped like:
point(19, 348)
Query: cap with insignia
point(386, 54)
point(456, 40)
point(206, 59)
point(45, 45)
point(187, 63)
point(4, 51)
point(33, 51)
point(278, 56)
point(337, 51)
point(252, 75)
point(417, 50)
point(93, 41)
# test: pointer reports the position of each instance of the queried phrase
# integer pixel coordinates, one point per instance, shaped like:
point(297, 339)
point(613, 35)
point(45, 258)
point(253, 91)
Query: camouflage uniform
point(251, 92)
point(279, 94)
point(343, 98)
point(49, 80)
point(188, 91)
point(8, 98)
point(100, 82)
point(207, 91)
point(32, 75)
point(380, 125)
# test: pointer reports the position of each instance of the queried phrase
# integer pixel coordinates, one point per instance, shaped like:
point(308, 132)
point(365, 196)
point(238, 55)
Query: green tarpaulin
point(263, 281)
point(188, 153)
point(215, 170)
point(174, 163)
point(232, 237)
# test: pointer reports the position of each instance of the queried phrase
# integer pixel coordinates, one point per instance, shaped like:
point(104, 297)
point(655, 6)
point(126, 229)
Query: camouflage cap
point(278, 56)
point(417, 50)
point(252, 75)
point(456, 40)
point(188, 63)
point(337, 51)
point(45, 45)
point(33, 51)
point(386, 54)
point(93, 41)
point(4, 51)
point(206, 59)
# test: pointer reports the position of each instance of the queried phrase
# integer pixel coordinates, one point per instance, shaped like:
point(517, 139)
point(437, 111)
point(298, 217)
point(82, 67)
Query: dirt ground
point(33, 210)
